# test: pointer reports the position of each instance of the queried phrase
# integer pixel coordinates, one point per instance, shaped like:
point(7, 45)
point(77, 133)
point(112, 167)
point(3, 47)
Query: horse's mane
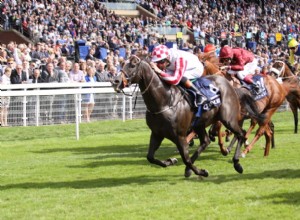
point(211, 63)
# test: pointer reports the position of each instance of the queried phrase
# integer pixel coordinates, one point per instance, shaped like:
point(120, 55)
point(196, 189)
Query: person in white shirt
point(5, 101)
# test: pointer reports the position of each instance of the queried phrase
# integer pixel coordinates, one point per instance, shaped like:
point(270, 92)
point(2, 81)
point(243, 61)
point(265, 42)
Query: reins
point(128, 79)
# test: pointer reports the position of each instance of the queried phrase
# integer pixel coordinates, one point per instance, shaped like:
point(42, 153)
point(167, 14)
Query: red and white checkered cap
point(159, 53)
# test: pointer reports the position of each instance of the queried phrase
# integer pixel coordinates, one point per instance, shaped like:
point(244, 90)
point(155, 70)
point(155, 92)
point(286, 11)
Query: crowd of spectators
point(54, 26)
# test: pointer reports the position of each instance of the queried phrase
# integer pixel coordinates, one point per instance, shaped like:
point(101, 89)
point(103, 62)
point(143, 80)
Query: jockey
point(210, 51)
point(178, 67)
point(240, 62)
point(210, 48)
point(294, 49)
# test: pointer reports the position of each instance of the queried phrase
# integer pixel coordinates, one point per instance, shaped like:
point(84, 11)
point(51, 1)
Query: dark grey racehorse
point(170, 115)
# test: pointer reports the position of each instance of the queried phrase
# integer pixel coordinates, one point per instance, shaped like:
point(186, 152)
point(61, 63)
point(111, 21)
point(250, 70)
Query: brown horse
point(267, 106)
point(170, 114)
point(291, 83)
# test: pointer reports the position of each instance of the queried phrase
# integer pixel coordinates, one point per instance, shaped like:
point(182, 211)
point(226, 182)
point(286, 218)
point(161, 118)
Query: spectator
point(88, 99)
point(101, 74)
point(5, 101)
point(18, 76)
point(76, 75)
point(49, 75)
point(91, 54)
point(83, 66)
point(36, 76)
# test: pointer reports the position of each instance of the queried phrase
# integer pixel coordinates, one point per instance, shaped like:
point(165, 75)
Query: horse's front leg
point(250, 129)
point(155, 142)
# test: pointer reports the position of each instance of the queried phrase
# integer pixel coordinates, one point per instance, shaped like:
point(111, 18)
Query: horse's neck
point(211, 68)
point(156, 93)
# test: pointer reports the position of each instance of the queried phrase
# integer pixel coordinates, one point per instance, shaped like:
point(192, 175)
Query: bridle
point(126, 80)
point(279, 72)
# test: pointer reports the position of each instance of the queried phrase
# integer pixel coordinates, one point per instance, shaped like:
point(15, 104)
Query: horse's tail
point(248, 103)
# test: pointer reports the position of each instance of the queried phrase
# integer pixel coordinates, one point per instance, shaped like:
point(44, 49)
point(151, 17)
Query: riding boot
point(248, 79)
point(200, 98)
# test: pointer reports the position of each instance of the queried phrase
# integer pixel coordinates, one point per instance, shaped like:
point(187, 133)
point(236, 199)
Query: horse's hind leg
point(155, 142)
point(294, 109)
point(272, 127)
point(215, 130)
point(205, 141)
point(236, 128)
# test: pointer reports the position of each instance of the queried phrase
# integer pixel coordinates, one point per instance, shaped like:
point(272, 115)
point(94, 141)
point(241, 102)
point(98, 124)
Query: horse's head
point(128, 74)
point(277, 69)
point(280, 69)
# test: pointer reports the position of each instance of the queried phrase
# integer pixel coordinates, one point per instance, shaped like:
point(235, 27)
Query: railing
point(56, 103)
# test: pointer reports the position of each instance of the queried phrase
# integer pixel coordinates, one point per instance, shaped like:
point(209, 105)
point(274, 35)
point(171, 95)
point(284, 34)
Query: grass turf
point(47, 174)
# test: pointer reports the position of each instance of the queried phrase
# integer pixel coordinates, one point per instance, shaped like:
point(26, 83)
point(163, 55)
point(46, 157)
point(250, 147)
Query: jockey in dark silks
point(240, 62)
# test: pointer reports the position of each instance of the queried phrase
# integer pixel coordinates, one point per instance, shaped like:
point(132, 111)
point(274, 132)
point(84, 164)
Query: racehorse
point(170, 114)
point(267, 106)
point(291, 84)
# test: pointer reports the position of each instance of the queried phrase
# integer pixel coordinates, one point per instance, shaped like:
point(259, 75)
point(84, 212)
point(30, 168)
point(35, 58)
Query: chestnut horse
point(291, 84)
point(267, 106)
point(170, 114)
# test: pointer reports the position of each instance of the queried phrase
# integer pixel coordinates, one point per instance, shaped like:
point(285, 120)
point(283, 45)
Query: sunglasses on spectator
point(10, 63)
point(292, 48)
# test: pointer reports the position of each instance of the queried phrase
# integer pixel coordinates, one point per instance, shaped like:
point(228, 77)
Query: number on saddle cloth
point(263, 92)
point(207, 88)
point(211, 92)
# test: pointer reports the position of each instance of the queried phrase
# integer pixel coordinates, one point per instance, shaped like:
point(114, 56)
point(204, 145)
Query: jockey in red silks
point(178, 67)
point(240, 62)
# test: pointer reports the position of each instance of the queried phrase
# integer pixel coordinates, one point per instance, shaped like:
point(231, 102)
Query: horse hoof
point(225, 153)
point(238, 168)
point(204, 173)
point(191, 143)
point(187, 172)
point(212, 138)
point(243, 155)
point(173, 161)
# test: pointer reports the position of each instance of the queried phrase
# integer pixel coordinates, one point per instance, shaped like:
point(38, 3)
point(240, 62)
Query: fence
point(56, 103)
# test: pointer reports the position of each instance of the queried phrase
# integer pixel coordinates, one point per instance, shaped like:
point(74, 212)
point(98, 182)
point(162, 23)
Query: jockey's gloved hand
point(154, 67)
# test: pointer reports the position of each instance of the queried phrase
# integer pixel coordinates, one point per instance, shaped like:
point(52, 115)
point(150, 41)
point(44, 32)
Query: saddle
point(210, 91)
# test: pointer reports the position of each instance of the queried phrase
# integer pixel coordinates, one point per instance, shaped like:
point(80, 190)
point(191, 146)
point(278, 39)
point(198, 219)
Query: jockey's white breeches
point(249, 68)
point(194, 72)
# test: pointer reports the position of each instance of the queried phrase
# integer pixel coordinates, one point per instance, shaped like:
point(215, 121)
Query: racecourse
point(47, 174)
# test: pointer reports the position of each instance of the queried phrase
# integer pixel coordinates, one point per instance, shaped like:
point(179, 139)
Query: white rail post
point(77, 114)
point(37, 110)
point(124, 108)
point(130, 107)
point(24, 109)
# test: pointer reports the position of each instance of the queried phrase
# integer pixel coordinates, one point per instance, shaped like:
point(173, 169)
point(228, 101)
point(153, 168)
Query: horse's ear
point(134, 60)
